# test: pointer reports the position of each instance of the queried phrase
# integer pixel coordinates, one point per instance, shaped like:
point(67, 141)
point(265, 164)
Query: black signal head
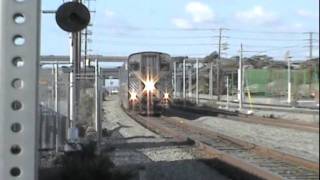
point(72, 16)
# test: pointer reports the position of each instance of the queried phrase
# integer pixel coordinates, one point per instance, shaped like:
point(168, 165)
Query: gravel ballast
point(160, 163)
point(295, 142)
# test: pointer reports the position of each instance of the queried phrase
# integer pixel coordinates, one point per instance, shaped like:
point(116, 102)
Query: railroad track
point(246, 118)
point(259, 161)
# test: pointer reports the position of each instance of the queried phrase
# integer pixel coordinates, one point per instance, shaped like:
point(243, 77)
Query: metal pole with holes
point(19, 57)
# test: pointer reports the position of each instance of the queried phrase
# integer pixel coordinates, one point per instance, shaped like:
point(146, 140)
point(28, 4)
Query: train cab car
point(146, 83)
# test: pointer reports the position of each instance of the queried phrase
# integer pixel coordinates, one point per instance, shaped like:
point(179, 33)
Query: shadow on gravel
point(86, 164)
point(103, 169)
point(202, 169)
point(142, 145)
point(189, 115)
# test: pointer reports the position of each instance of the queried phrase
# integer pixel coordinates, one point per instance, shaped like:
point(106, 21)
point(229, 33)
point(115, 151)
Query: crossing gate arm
point(19, 57)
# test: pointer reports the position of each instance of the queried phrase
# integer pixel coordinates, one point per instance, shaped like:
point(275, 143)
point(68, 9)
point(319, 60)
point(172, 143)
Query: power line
point(201, 37)
point(163, 37)
point(268, 32)
point(265, 39)
point(133, 28)
point(159, 44)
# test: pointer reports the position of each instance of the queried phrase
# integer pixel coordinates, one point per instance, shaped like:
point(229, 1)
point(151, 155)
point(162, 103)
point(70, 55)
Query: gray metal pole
point(77, 63)
point(184, 79)
point(75, 58)
point(240, 78)
point(56, 104)
point(96, 89)
point(19, 115)
point(97, 104)
point(51, 103)
point(197, 82)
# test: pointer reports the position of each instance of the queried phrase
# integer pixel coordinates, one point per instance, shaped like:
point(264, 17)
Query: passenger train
point(146, 83)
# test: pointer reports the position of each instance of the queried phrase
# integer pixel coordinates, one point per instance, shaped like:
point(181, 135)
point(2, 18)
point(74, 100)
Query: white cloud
point(181, 23)
point(305, 13)
point(257, 15)
point(200, 12)
point(298, 25)
point(109, 13)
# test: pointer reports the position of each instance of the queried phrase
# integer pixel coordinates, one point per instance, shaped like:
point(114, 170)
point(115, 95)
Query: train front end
point(149, 82)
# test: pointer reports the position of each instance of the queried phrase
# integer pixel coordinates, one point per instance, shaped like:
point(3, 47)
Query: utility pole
point(310, 45)
point(287, 58)
point(87, 33)
point(218, 64)
point(240, 78)
point(85, 49)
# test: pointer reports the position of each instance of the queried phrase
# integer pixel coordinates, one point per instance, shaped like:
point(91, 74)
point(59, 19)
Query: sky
point(191, 27)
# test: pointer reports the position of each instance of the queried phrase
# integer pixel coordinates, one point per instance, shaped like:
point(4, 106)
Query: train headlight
point(166, 96)
point(133, 96)
point(149, 86)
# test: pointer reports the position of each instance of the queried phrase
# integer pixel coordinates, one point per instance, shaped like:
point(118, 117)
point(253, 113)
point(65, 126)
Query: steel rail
point(257, 160)
point(283, 123)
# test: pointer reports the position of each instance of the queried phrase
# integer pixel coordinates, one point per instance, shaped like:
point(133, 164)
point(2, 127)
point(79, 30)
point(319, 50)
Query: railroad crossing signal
point(72, 16)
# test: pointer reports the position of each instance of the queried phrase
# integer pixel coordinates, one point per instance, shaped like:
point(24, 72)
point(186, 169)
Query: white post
point(175, 79)
point(197, 82)
point(96, 100)
point(287, 57)
point(240, 79)
point(71, 86)
point(190, 83)
point(227, 92)
point(184, 79)
point(211, 81)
